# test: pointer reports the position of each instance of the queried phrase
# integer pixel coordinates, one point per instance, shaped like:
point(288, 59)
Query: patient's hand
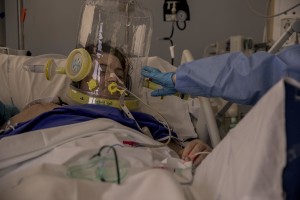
point(195, 150)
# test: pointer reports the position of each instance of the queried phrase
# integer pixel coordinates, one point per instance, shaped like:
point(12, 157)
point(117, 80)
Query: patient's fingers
point(200, 156)
point(199, 159)
point(193, 147)
point(188, 148)
point(196, 151)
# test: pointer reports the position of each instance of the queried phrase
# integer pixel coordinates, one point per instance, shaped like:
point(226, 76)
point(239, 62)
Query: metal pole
point(295, 27)
point(20, 26)
point(211, 123)
point(2, 24)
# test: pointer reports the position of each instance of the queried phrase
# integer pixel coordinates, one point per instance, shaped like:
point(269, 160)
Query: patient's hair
point(107, 48)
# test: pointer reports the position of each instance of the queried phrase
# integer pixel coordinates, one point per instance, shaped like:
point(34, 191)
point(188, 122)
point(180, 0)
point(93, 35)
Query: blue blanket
point(71, 114)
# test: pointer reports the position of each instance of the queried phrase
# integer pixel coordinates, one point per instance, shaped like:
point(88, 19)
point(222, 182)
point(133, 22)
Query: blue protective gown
point(236, 77)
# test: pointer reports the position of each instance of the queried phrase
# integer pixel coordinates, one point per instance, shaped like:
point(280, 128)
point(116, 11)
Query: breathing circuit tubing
point(149, 107)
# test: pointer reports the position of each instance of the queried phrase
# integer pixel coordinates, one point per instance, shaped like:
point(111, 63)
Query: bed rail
point(211, 123)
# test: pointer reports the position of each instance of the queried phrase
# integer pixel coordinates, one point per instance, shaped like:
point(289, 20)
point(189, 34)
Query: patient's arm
point(31, 112)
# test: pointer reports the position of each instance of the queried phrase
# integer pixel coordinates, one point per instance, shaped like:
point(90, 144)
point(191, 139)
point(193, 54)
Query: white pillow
point(22, 86)
point(5, 95)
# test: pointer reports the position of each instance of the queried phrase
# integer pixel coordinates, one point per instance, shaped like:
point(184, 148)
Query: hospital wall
point(51, 25)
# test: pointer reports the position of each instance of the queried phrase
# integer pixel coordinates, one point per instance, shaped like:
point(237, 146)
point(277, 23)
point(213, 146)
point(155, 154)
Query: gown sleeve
point(236, 77)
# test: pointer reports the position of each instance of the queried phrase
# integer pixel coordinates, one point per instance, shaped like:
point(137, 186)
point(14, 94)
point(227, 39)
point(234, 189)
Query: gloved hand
point(6, 112)
point(162, 78)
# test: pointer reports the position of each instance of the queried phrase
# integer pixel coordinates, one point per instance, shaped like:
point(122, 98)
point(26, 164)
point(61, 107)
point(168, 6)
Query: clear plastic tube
point(34, 68)
point(37, 64)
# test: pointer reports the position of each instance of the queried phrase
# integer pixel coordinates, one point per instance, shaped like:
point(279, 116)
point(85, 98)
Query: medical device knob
point(79, 64)
point(51, 69)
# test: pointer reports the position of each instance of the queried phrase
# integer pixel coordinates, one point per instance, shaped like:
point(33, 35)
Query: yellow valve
point(50, 69)
point(113, 87)
point(93, 84)
point(60, 70)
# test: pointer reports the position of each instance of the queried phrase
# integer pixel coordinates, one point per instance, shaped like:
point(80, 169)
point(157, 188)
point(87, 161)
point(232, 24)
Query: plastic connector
point(132, 143)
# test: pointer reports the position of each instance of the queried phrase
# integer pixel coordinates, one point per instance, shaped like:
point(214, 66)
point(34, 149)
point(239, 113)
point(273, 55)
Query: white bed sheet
point(247, 164)
point(54, 149)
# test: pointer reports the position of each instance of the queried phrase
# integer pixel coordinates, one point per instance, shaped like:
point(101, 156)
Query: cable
point(116, 161)
point(181, 28)
point(270, 16)
point(165, 123)
point(265, 33)
point(96, 169)
point(171, 41)
point(171, 35)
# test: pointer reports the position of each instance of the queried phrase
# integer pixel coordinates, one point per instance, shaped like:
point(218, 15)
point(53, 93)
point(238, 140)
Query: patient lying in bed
point(46, 115)
point(253, 160)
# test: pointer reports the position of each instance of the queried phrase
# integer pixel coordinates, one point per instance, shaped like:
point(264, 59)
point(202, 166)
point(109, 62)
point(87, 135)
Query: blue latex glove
point(6, 112)
point(162, 78)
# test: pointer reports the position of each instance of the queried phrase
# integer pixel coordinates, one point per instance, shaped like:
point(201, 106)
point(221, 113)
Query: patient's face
point(111, 64)
point(107, 69)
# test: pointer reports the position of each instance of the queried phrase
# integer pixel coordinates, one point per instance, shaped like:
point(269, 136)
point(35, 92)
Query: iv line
point(166, 125)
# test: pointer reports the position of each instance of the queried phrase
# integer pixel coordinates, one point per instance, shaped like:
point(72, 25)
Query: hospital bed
point(38, 164)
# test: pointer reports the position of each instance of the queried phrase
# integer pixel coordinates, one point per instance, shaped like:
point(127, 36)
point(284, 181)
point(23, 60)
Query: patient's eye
point(119, 72)
point(103, 67)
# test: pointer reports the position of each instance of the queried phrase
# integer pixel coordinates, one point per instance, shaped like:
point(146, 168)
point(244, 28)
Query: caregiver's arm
point(232, 76)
